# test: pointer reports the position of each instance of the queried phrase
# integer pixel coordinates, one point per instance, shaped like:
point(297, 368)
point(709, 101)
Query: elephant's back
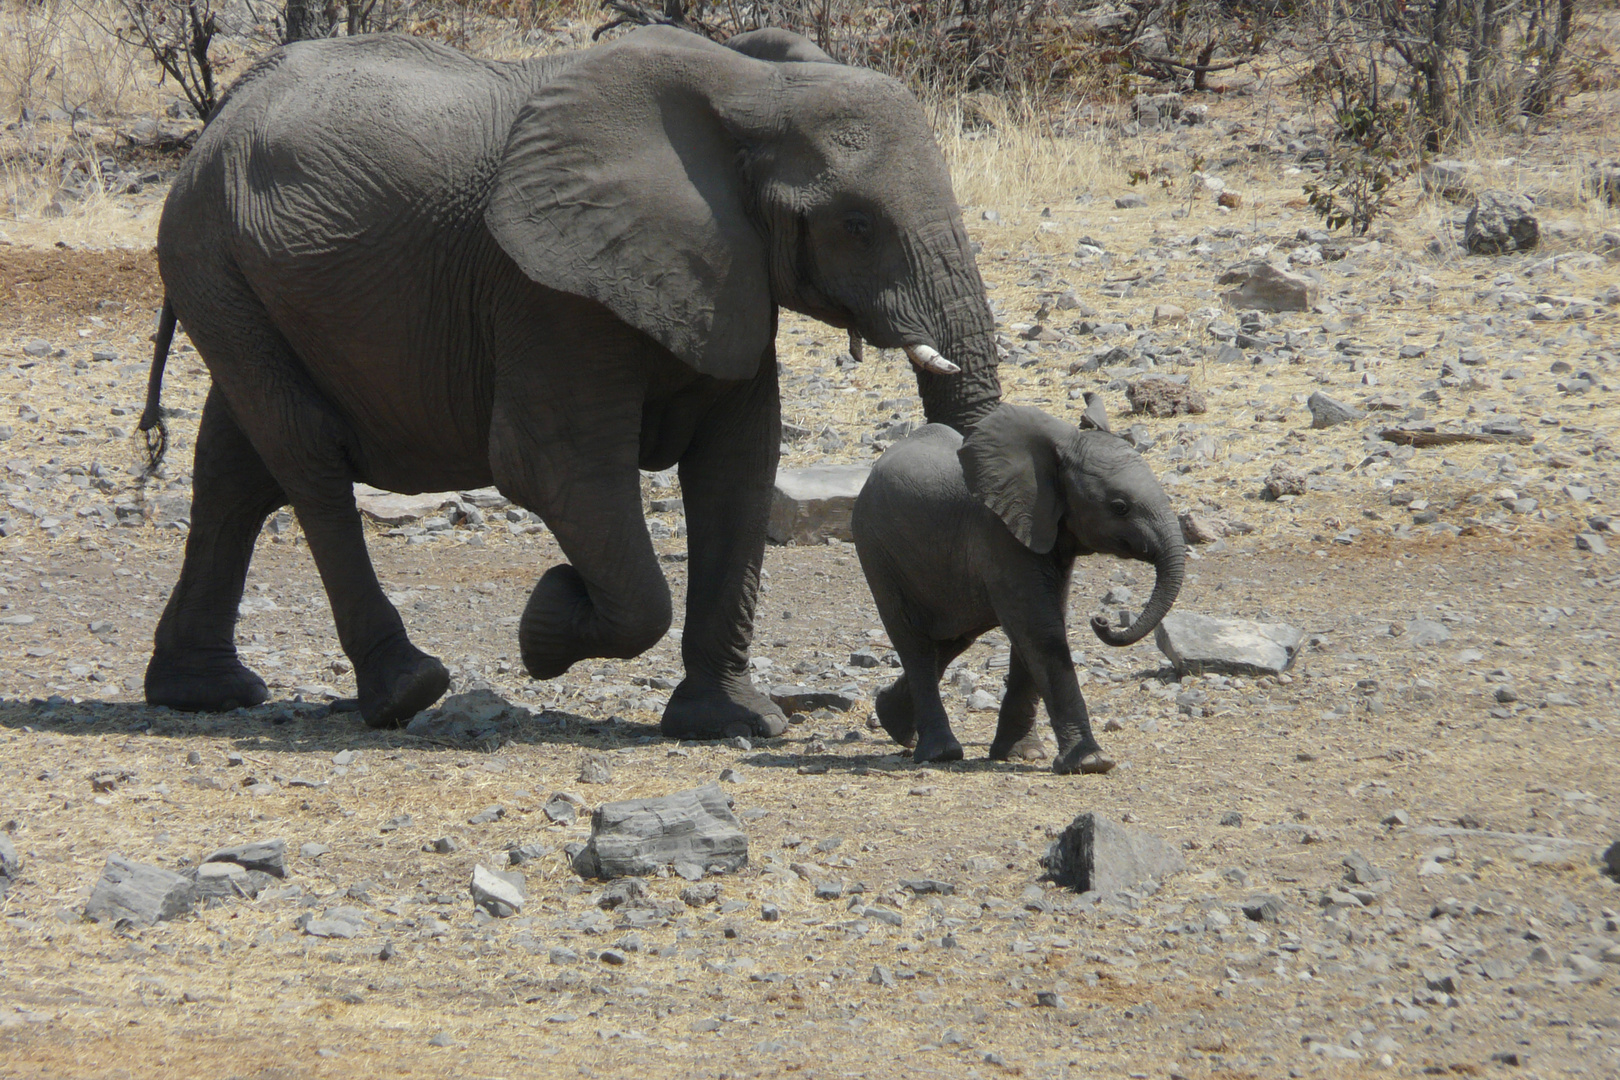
point(917, 478)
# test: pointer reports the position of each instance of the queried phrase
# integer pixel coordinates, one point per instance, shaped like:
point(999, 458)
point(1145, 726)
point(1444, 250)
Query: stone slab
point(1095, 854)
point(1198, 644)
point(142, 894)
point(638, 837)
point(812, 504)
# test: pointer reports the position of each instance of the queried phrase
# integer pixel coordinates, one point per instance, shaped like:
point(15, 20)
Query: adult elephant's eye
point(1120, 507)
point(858, 225)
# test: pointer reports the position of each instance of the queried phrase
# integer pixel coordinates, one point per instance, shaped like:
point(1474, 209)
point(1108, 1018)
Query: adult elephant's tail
point(157, 432)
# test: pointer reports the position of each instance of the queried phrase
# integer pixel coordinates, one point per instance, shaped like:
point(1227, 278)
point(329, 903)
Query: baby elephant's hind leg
point(1016, 737)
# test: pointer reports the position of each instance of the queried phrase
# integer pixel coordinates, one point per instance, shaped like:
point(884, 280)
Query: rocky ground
point(1424, 794)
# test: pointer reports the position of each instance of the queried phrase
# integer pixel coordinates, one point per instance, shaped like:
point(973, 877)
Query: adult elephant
point(425, 271)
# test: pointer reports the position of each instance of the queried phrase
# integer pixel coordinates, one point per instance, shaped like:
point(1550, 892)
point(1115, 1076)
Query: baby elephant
point(957, 537)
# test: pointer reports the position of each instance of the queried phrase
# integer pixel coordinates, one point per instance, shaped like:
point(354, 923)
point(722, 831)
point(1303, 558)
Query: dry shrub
point(64, 54)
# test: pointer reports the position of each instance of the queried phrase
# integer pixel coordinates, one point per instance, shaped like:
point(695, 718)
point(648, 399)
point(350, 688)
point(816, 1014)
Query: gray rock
point(1132, 202)
point(1450, 178)
point(335, 922)
point(218, 881)
point(142, 894)
point(266, 856)
point(812, 504)
point(1500, 222)
point(561, 811)
point(1591, 541)
point(10, 866)
point(1159, 396)
point(1266, 907)
point(1095, 854)
point(37, 347)
point(703, 892)
point(1261, 285)
point(526, 853)
point(594, 769)
point(391, 509)
point(1611, 860)
point(1360, 871)
point(475, 716)
point(640, 836)
point(803, 699)
point(1326, 413)
point(487, 815)
point(1284, 480)
point(1199, 644)
point(501, 893)
point(1425, 632)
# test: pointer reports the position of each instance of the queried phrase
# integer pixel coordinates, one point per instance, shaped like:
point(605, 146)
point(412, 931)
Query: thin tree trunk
point(1540, 93)
point(306, 19)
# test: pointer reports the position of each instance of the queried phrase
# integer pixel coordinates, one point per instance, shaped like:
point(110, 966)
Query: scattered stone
point(1200, 528)
point(881, 976)
point(623, 891)
point(501, 893)
point(812, 504)
point(1159, 396)
point(1232, 819)
point(1168, 313)
point(1265, 907)
point(560, 810)
point(444, 845)
point(1203, 644)
point(1129, 202)
point(1611, 860)
point(1591, 541)
point(803, 699)
point(1326, 412)
point(334, 922)
point(266, 856)
point(1095, 854)
point(487, 815)
point(10, 865)
point(1500, 222)
point(705, 892)
point(594, 769)
point(471, 717)
point(1284, 480)
point(218, 881)
point(1266, 288)
point(1421, 633)
point(1362, 872)
point(142, 894)
point(1450, 179)
point(928, 887)
point(639, 836)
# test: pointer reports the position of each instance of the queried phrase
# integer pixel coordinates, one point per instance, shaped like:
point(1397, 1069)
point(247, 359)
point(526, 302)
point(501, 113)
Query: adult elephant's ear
point(621, 183)
point(1011, 463)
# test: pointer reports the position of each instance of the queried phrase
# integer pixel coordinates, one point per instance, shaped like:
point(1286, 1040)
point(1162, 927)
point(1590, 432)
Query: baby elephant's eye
point(1120, 507)
point(858, 226)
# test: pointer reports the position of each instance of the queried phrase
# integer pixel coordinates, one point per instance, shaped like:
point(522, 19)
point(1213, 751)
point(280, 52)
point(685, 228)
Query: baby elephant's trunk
point(1171, 564)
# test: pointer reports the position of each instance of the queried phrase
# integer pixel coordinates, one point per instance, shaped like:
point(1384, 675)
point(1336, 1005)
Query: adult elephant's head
point(691, 188)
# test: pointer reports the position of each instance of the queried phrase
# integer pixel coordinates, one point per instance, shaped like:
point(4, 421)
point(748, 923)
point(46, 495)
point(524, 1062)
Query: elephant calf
point(957, 537)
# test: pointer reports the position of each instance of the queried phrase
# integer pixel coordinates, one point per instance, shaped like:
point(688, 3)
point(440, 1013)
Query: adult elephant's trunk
point(1171, 565)
point(941, 307)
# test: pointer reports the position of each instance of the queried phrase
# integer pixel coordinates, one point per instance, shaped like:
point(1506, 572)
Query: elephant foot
point(707, 710)
point(1028, 748)
point(1082, 759)
point(894, 711)
point(393, 691)
point(215, 686)
point(937, 747)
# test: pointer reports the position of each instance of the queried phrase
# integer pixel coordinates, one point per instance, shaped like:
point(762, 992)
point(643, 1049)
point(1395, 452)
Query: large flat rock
point(142, 894)
point(1095, 854)
point(814, 503)
point(390, 508)
point(1199, 644)
point(1263, 286)
point(638, 837)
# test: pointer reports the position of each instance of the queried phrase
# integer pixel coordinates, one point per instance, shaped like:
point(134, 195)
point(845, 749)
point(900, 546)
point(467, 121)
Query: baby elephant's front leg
point(1078, 751)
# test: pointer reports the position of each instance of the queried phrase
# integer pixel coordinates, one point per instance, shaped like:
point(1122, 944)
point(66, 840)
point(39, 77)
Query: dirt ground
point(1477, 771)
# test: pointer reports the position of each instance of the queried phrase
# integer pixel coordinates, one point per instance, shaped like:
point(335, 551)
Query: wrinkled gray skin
point(424, 271)
point(958, 537)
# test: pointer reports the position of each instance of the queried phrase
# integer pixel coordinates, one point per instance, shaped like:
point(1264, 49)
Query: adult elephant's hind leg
point(728, 473)
point(194, 666)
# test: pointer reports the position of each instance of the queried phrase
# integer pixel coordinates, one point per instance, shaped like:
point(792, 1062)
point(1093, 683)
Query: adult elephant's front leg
point(727, 476)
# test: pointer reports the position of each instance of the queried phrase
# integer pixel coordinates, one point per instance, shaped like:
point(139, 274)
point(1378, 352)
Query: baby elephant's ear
point(1011, 462)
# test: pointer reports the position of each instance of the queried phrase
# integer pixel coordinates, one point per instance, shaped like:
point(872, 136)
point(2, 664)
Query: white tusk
point(927, 358)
